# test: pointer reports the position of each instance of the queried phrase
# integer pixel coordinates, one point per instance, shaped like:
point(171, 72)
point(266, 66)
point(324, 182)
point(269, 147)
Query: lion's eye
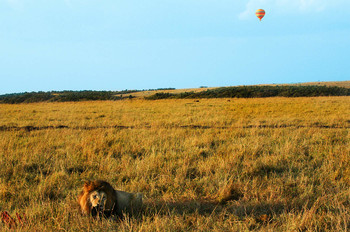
point(94, 196)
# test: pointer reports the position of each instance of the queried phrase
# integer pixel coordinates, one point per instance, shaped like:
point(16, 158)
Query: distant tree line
point(158, 89)
point(64, 96)
point(225, 92)
point(258, 92)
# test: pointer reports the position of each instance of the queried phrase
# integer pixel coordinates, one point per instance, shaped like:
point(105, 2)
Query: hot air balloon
point(260, 13)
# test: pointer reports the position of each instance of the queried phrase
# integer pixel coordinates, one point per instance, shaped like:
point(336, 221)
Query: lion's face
point(98, 199)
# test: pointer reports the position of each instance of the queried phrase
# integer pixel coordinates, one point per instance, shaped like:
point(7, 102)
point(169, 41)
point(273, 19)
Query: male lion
point(100, 198)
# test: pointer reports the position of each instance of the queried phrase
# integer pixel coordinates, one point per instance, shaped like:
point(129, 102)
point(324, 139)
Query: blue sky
point(133, 44)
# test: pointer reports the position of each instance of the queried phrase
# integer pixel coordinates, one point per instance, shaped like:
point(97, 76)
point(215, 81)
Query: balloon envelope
point(260, 13)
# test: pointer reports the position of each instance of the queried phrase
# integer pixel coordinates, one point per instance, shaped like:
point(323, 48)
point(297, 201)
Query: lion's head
point(98, 198)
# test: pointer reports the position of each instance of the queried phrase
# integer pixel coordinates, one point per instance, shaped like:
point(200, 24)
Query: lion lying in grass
point(99, 198)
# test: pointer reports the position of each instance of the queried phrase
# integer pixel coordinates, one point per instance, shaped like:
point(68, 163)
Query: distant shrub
point(160, 96)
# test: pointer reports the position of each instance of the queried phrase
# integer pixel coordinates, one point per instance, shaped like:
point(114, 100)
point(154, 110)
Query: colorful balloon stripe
point(260, 13)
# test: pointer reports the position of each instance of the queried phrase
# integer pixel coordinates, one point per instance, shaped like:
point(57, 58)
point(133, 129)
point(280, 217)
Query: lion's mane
point(98, 185)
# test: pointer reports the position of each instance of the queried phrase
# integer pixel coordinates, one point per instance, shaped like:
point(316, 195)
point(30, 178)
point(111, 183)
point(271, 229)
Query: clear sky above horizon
point(132, 44)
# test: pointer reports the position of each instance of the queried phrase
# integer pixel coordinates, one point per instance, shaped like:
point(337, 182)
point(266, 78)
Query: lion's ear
point(87, 184)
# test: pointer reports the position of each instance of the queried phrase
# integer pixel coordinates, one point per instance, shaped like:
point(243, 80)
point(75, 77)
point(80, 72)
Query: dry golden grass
point(344, 84)
point(274, 164)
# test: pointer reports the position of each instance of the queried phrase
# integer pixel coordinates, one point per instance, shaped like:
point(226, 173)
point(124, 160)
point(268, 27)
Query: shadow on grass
point(36, 128)
point(207, 208)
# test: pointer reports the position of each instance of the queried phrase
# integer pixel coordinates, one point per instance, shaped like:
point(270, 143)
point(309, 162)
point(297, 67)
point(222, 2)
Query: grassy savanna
point(272, 164)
